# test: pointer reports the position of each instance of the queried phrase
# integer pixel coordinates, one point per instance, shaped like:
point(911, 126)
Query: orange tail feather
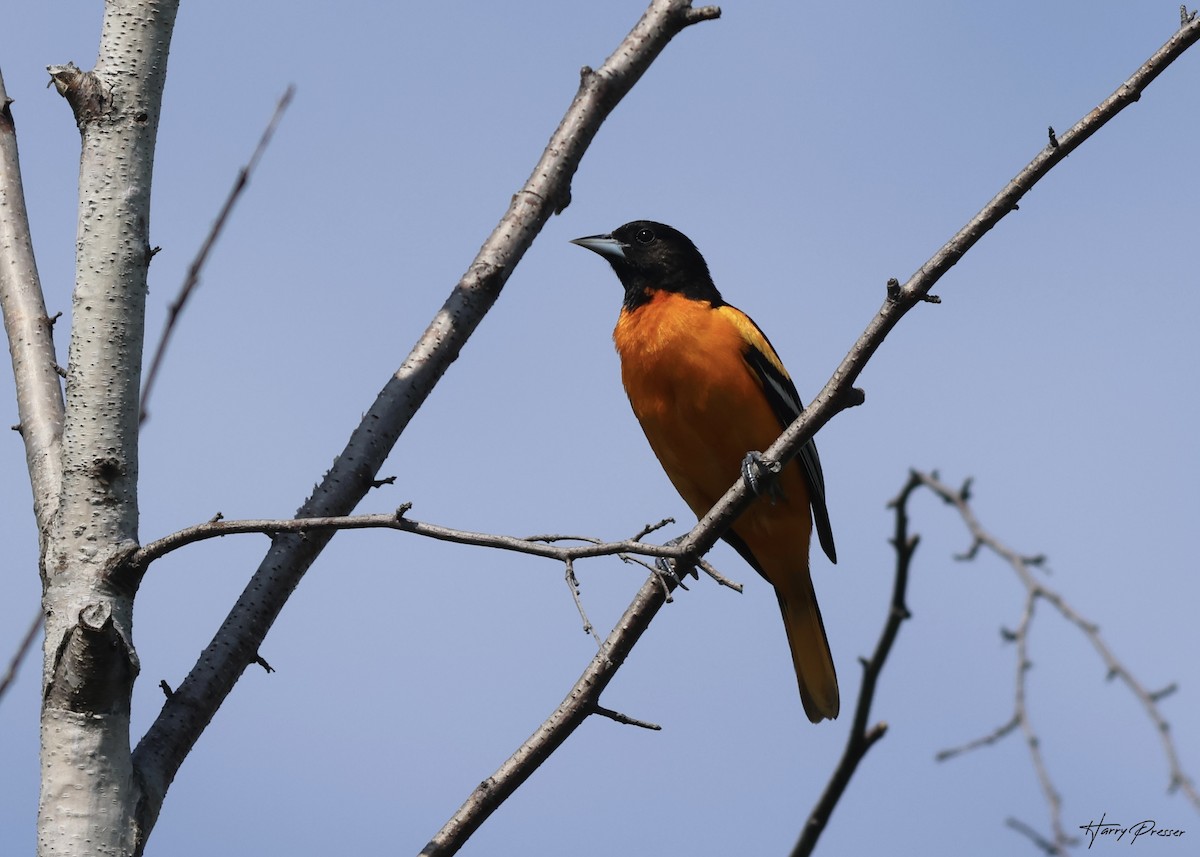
point(810, 649)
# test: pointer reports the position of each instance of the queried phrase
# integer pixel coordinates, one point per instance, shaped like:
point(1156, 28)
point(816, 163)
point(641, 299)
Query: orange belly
point(701, 416)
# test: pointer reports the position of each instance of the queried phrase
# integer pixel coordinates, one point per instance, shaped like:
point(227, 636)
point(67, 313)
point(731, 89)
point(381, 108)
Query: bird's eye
point(644, 236)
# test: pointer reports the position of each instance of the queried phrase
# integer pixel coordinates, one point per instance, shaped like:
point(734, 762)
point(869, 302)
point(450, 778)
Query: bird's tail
point(810, 649)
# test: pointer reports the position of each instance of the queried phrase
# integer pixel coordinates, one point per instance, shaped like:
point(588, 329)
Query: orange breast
point(702, 409)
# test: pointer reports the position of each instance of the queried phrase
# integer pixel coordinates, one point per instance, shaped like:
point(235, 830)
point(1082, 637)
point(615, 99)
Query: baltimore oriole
point(708, 389)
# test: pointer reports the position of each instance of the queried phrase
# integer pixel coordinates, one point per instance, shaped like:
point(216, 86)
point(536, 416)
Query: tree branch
point(193, 274)
point(1036, 590)
point(30, 332)
point(23, 648)
point(581, 701)
point(532, 545)
point(861, 739)
point(837, 394)
point(547, 191)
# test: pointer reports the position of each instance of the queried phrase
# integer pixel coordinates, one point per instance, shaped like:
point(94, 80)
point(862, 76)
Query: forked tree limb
point(548, 546)
point(90, 792)
point(837, 394)
point(547, 191)
point(1036, 590)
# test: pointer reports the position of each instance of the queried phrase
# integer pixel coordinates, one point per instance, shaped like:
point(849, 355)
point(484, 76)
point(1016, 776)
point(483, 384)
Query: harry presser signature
point(1118, 832)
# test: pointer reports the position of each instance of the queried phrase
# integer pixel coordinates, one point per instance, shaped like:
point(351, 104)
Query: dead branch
point(193, 275)
point(861, 738)
point(30, 331)
point(190, 708)
point(1036, 590)
point(837, 394)
point(23, 648)
point(541, 545)
point(580, 702)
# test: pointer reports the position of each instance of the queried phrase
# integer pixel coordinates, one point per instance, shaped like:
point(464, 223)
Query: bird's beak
point(605, 245)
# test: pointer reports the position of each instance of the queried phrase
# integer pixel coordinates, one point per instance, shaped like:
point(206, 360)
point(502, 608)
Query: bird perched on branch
point(709, 389)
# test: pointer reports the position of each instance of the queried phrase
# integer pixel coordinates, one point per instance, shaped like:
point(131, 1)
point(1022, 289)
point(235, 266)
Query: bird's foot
point(758, 472)
point(666, 567)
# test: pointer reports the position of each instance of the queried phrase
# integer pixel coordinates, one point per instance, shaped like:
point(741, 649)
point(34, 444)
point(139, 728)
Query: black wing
point(785, 402)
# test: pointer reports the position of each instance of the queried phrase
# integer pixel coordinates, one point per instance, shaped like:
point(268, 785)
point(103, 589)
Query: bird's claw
point(665, 566)
point(757, 470)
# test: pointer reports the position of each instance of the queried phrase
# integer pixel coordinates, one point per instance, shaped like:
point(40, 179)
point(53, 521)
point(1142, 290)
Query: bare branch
point(707, 567)
point(1035, 590)
point(1049, 791)
point(983, 741)
point(581, 701)
point(624, 719)
point(547, 191)
point(650, 528)
point(861, 738)
point(193, 274)
point(573, 584)
point(30, 331)
point(1033, 836)
point(532, 545)
point(23, 648)
point(837, 394)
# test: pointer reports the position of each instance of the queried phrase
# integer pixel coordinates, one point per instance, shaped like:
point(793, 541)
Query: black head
point(650, 257)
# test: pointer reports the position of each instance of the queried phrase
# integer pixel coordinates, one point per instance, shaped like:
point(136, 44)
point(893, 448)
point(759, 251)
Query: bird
point(710, 391)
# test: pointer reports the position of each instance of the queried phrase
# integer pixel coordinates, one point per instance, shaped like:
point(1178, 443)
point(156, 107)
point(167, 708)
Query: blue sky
point(811, 151)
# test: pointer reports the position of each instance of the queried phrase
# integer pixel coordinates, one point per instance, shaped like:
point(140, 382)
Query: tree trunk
point(90, 796)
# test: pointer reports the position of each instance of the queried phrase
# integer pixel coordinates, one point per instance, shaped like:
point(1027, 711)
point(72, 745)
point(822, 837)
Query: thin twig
point(1035, 590)
point(23, 648)
point(1033, 836)
point(541, 546)
point(573, 584)
point(193, 274)
point(708, 568)
point(983, 741)
point(538, 545)
point(650, 528)
point(1050, 792)
point(657, 572)
point(580, 702)
point(862, 738)
point(624, 719)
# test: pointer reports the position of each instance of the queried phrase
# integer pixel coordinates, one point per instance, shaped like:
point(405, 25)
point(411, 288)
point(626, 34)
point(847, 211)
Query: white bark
point(39, 393)
point(90, 798)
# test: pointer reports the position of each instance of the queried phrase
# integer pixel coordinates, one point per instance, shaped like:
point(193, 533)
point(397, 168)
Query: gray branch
point(1035, 590)
point(30, 332)
point(863, 737)
point(837, 394)
point(547, 191)
point(533, 545)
